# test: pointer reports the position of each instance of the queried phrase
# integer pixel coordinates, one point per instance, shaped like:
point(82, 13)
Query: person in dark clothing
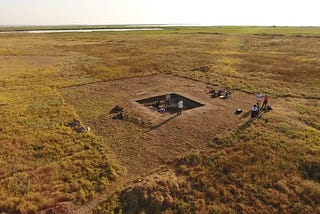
point(254, 111)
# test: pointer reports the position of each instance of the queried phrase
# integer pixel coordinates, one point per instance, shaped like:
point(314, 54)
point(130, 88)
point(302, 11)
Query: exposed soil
point(141, 149)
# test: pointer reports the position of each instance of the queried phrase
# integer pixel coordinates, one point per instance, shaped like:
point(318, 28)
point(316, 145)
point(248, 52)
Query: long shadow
point(245, 115)
point(162, 123)
point(245, 125)
point(102, 81)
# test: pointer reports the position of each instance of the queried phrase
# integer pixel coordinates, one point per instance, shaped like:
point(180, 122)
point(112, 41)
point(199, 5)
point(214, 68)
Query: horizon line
point(173, 25)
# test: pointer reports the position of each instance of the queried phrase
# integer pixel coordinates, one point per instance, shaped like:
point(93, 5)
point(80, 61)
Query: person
point(211, 90)
point(180, 107)
point(161, 110)
point(167, 101)
point(213, 93)
point(157, 104)
point(228, 92)
point(254, 111)
point(268, 108)
point(265, 102)
point(259, 95)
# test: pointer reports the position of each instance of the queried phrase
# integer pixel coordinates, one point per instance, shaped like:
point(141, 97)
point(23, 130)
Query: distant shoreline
point(80, 30)
point(19, 28)
point(192, 29)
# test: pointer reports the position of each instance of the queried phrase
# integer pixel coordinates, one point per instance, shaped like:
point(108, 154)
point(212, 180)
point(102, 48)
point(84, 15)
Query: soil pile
point(154, 194)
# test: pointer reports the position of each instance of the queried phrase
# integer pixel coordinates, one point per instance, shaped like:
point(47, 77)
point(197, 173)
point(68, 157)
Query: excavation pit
point(164, 136)
point(157, 103)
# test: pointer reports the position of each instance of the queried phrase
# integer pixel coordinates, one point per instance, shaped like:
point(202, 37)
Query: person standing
point(180, 107)
point(265, 102)
point(167, 101)
point(259, 95)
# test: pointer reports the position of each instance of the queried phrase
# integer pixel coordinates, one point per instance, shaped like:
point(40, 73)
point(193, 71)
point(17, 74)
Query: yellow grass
point(42, 158)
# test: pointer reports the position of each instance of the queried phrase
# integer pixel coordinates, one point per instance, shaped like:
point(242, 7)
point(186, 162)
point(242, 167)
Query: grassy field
point(263, 167)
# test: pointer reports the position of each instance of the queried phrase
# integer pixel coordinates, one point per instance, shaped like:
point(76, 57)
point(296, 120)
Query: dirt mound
point(154, 194)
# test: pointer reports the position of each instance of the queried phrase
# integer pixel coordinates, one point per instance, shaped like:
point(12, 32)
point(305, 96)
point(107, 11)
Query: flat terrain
point(208, 160)
point(167, 136)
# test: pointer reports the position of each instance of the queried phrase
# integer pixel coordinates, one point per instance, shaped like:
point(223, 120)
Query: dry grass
point(257, 167)
point(264, 168)
point(278, 65)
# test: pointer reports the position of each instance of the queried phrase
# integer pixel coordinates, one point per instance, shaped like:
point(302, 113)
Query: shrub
point(311, 169)
point(10, 204)
point(213, 157)
point(109, 206)
point(19, 184)
point(191, 159)
point(300, 208)
point(81, 196)
point(219, 209)
point(312, 189)
point(183, 169)
point(182, 207)
point(27, 207)
point(227, 140)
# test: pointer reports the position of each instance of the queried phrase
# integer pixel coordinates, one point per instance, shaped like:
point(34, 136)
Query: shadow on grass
point(245, 125)
point(162, 123)
point(245, 115)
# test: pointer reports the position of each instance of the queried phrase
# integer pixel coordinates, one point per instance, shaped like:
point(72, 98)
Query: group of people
point(256, 108)
point(220, 93)
point(162, 105)
point(179, 104)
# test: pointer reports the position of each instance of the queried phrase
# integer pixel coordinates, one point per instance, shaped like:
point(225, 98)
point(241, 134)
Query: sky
point(191, 12)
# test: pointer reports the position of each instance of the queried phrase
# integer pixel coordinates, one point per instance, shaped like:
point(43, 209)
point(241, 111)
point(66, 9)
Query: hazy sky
point(204, 12)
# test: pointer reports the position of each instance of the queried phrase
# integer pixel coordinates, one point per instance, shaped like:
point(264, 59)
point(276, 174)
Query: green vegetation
point(263, 166)
point(259, 30)
point(254, 30)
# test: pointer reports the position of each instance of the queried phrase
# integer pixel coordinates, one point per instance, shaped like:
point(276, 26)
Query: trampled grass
point(265, 165)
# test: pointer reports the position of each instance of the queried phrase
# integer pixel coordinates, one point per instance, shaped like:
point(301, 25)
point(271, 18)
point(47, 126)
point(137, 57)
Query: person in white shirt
point(167, 101)
point(180, 107)
point(254, 111)
point(259, 95)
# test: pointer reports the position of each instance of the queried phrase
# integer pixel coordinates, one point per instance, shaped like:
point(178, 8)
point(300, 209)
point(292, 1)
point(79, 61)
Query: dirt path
point(112, 188)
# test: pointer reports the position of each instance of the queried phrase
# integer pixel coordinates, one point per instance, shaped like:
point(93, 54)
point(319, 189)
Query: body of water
point(80, 30)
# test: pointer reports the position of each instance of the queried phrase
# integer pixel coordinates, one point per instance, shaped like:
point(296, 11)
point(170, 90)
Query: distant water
point(80, 30)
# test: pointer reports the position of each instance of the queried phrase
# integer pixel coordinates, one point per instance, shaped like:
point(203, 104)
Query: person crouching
point(254, 111)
